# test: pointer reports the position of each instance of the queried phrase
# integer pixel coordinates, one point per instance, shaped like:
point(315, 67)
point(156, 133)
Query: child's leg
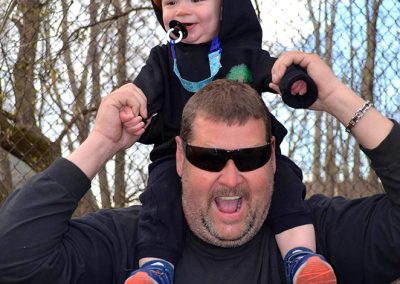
point(161, 225)
point(291, 221)
point(301, 236)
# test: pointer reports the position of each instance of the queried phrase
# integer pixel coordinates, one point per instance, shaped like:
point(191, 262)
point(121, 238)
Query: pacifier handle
point(169, 38)
point(178, 29)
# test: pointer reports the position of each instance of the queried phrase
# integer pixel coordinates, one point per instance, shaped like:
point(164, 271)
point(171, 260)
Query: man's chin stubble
point(216, 239)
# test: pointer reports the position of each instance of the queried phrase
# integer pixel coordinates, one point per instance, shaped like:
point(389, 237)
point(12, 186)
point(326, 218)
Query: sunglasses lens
point(251, 159)
point(214, 160)
point(207, 159)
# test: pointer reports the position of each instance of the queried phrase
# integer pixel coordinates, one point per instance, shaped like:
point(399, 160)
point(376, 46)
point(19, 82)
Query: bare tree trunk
point(104, 189)
point(257, 9)
point(367, 85)
point(120, 184)
point(316, 182)
point(49, 77)
point(25, 92)
point(316, 164)
point(105, 194)
point(5, 170)
point(368, 71)
point(20, 134)
point(330, 161)
point(88, 203)
point(358, 180)
point(360, 185)
point(296, 136)
point(119, 181)
point(330, 164)
point(5, 176)
point(29, 145)
point(10, 8)
point(347, 184)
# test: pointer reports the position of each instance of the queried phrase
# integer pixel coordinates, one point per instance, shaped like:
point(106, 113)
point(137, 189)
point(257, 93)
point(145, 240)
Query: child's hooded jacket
point(240, 37)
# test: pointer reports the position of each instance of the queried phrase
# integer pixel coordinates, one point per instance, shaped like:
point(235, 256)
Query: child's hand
point(133, 124)
point(298, 88)
point(132, 116)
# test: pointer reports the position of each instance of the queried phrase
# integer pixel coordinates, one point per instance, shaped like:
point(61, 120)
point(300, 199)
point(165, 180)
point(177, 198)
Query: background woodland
point(58, 58)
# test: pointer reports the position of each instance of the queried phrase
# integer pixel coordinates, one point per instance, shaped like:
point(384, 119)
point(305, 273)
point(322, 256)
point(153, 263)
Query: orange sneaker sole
point(140, 278)
point(315, 271)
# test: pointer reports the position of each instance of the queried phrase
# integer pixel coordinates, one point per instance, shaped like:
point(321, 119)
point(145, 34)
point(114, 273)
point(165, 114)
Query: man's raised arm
point(38, 242)
point(360, 237)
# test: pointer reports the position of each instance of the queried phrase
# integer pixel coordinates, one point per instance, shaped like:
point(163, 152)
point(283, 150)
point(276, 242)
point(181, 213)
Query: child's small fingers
point(126, 114)
point(130, 124)
point(303, 91)
point(274, 87)
point(136, 129)
point(139, 132)
point(298, 88)
point(277, 73)
point(279, 68)
point(133, 121)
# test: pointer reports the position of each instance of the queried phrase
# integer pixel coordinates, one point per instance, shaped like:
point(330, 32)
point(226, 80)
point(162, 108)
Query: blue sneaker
point(303, 266)
point(152, 272)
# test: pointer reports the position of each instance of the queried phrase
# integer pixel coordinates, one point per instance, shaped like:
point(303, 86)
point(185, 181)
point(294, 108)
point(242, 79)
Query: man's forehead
point(210, 132)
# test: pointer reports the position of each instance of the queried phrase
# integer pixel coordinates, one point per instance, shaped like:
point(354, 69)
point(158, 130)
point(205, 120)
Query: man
point(224, 205)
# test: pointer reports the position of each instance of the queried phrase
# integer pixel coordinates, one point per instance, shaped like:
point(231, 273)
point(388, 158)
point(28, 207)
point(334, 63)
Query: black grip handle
point(293, 74)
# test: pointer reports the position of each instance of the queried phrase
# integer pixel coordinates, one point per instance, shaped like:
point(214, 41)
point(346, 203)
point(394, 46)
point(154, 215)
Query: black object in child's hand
point(146, 119)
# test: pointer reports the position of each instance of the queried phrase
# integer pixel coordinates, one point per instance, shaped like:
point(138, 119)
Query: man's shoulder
point(130, 212)
point(111, 219)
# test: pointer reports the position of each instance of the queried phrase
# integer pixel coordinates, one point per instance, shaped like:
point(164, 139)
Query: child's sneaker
point(152, 272)
point(303, 266)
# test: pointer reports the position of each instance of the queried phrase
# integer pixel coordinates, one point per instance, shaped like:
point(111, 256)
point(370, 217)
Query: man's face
point(226, 208)
point(201, 18)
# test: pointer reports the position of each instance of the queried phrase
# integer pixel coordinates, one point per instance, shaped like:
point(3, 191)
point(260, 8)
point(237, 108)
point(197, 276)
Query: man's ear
point(179, 155)
point(273, 156)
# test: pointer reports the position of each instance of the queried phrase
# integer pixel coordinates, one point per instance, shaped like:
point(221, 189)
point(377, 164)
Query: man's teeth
point(229, 197)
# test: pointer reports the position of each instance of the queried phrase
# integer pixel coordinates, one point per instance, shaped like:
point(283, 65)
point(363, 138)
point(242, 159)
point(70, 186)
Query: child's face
point(201, 18)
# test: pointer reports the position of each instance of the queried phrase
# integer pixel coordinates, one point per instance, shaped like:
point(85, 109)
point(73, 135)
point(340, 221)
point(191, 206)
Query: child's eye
point(169, 3)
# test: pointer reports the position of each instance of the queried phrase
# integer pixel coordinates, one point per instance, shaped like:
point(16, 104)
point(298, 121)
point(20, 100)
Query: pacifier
point(177, 29)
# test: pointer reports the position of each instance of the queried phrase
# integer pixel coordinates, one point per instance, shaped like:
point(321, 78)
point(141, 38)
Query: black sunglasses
point(214, 160)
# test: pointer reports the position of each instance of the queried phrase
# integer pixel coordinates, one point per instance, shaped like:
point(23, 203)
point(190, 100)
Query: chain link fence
point(58, 58)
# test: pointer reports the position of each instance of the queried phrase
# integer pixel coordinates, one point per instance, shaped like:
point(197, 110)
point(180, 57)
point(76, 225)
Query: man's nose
point(230, 176)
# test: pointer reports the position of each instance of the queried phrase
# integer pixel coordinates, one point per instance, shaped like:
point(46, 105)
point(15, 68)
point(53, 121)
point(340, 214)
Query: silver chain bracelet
point(358, 115)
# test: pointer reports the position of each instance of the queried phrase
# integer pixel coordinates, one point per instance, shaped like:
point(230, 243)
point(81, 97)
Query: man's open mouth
point(228, 204)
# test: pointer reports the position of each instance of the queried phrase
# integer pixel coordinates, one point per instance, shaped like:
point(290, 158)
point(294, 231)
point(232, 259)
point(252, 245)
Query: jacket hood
point(239, 23)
